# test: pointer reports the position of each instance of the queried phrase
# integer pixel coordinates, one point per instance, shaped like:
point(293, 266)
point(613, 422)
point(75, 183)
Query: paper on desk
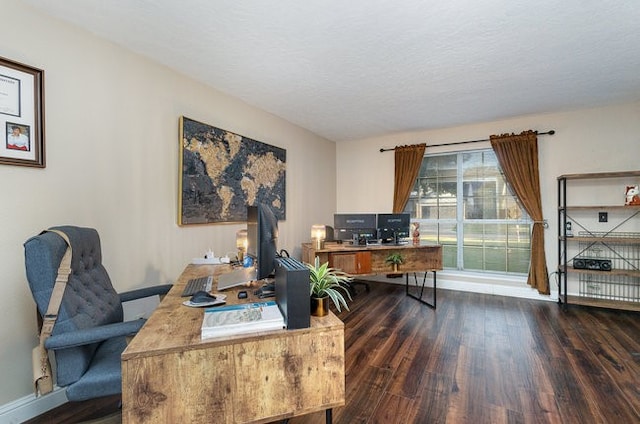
point(240, 319)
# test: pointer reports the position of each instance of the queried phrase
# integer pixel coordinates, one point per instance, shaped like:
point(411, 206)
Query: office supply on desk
point(267, 290)
point(198, 284)
point(203, 299)
point(211, 261)
point(241, 319)
point(237, 277)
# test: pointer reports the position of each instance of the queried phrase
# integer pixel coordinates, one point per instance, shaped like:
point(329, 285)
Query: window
point(463, 203)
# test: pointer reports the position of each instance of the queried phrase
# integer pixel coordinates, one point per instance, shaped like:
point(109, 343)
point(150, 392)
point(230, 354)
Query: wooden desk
point(170, 375)
point(370, 260)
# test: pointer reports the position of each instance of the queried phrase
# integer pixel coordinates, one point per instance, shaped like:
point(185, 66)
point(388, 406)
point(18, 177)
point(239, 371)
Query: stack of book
point(239, 319)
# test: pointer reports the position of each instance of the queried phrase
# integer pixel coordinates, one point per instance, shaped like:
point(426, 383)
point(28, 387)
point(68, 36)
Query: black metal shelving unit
point(605, 265)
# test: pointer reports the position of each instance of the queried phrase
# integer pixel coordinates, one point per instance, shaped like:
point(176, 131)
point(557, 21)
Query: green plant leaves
point(325, 281)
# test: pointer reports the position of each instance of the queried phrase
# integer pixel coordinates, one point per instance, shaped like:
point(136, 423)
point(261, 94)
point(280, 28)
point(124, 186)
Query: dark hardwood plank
point(480, 359)
point(79, 412)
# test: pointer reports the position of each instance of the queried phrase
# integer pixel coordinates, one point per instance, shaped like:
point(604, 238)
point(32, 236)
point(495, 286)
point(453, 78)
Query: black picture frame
point(21, 114)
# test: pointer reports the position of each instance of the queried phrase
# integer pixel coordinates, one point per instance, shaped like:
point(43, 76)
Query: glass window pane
point(495, 229)
point(450, 256)
point(473, 258)
point(473, 234)
point(448, 238)
point(519, 236)
point(495, 259)
point(518, 260)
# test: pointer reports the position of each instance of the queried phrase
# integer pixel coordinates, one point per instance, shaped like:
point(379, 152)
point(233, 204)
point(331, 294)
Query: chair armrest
point(145, 292)
point(94, 335)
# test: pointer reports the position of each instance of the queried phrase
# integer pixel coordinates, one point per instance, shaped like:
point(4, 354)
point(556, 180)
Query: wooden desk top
point(371, 259)
point(175, 327)
point(332, 247)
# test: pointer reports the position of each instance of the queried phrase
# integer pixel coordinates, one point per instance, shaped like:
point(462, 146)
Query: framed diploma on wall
point(21, 114)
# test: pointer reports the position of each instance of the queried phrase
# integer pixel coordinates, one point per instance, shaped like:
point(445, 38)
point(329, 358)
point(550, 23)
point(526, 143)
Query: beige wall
point(588, 140)
point(112, 163)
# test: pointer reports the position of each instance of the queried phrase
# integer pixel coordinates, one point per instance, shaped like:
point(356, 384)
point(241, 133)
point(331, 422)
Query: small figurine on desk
point(416, 233)
point(632, 196)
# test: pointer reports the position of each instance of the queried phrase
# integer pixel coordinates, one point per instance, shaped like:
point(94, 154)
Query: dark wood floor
point(482, 359)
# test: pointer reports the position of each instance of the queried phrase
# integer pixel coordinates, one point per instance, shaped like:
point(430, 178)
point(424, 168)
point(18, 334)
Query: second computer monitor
point(393, 227)
point(354, 226)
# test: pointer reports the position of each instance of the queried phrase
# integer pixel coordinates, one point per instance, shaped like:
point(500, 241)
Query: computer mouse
point(202, 297)
point(242, 294)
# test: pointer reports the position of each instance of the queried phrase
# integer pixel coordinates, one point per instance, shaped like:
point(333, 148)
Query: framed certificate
point(21, 114)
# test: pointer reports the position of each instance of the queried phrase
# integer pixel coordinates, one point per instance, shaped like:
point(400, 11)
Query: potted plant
point(327, 283)
point(395, 260)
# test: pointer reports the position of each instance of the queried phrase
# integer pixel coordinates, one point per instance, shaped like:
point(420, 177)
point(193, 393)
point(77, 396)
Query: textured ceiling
point(350, 69)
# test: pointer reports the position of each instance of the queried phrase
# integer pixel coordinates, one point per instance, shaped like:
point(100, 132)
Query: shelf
point(621, 174)
point(606, 240)
point(620, 244)
point(622, 272)
point(607, 207)
point(603, 303)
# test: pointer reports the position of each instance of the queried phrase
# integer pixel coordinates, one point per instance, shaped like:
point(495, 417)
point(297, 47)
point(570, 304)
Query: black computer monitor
point(354, 226)
point(393, 227)
point(262, 237)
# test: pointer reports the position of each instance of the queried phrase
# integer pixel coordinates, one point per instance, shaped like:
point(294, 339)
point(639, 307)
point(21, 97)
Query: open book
point(239, 319)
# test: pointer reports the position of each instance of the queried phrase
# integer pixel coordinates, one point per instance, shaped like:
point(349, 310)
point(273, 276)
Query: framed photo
point(222, 172)
point(21, 114)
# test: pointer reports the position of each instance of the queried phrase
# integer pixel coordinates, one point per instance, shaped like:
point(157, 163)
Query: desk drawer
point(351, 262)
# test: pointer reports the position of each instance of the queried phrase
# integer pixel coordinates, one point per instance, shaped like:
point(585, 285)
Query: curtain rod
point(550, 132)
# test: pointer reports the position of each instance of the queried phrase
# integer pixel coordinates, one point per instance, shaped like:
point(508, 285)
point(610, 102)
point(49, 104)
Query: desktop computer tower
point(292, 292)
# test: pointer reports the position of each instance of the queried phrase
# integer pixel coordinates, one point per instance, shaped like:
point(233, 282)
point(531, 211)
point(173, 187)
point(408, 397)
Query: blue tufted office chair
point(89, 334)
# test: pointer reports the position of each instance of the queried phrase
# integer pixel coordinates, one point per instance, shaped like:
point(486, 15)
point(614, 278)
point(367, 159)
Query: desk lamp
point(318, 236)
point(241, 243)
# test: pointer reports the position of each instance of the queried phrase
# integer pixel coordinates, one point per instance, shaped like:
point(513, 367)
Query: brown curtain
point(518, 157)
point(408, 161)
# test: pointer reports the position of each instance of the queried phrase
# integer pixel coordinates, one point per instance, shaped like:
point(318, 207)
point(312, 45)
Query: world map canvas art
point(221, 173)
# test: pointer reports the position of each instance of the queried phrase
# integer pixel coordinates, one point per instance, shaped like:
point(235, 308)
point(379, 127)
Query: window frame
point(460, 221)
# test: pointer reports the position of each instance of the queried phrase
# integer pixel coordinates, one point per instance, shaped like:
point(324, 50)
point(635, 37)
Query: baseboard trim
point(28, 407)
point(494, 284)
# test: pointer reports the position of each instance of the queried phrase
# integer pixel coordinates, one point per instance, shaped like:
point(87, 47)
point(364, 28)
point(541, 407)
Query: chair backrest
point(89, 299)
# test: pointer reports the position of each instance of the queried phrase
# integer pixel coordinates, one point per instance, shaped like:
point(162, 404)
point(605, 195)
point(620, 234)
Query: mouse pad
point(219, 300)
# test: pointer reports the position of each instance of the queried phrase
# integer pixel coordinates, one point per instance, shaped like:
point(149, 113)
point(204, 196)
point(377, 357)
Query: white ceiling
point(350, 69)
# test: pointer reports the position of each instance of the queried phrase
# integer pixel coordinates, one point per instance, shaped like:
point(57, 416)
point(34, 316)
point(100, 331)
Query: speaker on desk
point(292, 292)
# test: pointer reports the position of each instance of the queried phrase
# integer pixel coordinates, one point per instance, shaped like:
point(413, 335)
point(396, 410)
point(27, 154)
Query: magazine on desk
point(239, 319)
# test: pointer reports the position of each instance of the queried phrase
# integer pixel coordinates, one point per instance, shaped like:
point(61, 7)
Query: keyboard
point(198, 284)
